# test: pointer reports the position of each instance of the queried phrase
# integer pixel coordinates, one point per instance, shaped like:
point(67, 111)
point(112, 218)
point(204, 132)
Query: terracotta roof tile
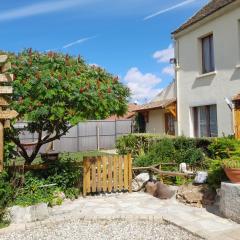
point(207, 10)
point(155, 105)
point(130, 113)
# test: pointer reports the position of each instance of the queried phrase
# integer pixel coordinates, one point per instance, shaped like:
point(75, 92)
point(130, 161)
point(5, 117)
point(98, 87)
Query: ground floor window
point(205, 121)
point(169, 124)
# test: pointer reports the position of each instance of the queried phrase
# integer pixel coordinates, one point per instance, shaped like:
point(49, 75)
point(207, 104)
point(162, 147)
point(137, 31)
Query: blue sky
point(130, 38)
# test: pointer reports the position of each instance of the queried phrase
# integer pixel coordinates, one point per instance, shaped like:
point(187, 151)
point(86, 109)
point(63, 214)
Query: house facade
point(207, 52)
point(160, 115)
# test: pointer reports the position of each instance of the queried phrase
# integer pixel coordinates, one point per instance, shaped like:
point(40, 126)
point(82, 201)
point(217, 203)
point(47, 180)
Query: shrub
point(186, 151)
point(163, 151)
point(136, 144)
point(66, 173)
point(172, 150)
point(222, 148)
point(34, 190)
point(216, 173)
point(6, 195)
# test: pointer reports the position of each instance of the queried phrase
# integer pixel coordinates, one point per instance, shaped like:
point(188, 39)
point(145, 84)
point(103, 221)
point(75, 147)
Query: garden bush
point(33, 191)
point(216, 172)
point(221, 148)
point(136, 144)
point(6, 195)
point(163, 151)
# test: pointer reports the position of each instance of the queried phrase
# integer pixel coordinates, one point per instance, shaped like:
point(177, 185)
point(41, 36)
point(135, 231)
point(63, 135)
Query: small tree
point(53, 92)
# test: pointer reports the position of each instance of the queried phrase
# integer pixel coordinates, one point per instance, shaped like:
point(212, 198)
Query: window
point(208, 64)
point(169, 124)
point(205, 121)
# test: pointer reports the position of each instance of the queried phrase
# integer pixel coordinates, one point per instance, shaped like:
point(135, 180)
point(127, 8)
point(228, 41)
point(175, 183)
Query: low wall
point(230, 201)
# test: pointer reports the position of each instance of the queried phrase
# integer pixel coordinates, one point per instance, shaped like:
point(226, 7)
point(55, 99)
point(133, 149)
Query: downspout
point(176, 53)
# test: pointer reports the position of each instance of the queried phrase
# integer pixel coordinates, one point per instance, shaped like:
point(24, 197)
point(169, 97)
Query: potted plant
point(232, 169)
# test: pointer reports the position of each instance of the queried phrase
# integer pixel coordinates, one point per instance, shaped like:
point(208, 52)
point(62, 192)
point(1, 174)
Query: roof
point(130, 113)
point(156, 105)
point(236, 97)
point(212, 7)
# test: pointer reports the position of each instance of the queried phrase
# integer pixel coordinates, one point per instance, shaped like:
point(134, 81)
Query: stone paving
point(143, 206)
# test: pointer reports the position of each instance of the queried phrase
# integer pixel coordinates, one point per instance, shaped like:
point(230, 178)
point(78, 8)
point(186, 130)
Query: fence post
point(130, 172)
point(1, 146)
point(98, 139)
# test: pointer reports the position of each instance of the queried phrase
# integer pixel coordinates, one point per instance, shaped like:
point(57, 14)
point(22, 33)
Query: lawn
point(76, 156)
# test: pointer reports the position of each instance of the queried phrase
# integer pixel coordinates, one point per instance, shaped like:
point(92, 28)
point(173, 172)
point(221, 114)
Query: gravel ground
point(103, 230)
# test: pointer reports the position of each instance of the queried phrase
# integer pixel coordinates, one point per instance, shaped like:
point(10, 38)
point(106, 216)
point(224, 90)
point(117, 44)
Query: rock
point(159, 190)
point(196, 195)
point(201, 177)
point(230, 201)
point(139, 180)
point(39, 212)
point(20, 214)
point(28, 214)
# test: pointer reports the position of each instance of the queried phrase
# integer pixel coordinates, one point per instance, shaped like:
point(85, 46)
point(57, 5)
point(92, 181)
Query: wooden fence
point(107, 174)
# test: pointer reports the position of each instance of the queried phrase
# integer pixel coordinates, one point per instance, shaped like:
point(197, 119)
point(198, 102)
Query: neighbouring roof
point(236, 97)
point(212, 7)
point(155, 105)
point(130, 113)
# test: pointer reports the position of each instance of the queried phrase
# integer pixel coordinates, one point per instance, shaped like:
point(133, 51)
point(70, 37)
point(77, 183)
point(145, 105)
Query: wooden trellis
point(5, 92)
point(107, 174)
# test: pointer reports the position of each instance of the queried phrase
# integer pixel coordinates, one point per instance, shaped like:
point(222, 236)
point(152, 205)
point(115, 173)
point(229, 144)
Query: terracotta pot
point(233, 174)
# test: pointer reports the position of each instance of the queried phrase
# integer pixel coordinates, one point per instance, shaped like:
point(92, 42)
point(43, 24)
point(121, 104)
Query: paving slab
point(144, 206)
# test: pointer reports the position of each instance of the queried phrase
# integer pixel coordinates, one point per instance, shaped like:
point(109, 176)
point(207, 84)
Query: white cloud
point(77, 42)
point(169, 70)
point(186, 2)
point(39, 8)
point(143, 86)
point(164, 55)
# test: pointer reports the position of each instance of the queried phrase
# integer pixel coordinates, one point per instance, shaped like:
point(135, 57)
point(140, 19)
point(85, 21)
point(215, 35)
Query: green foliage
point(233, 162)
point(66, 173)
point(216, 173)
point(222, 148)
point(9, 151)
point(72, 193)
point(163, 151)
point(6, 195)
point(136, 144)
point(186, 151)
point(34, 191)
point(172, 150)
point(53, 92)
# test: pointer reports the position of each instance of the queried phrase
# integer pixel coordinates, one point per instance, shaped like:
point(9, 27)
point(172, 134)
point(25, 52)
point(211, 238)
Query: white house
point(207, 52)
point(160, 115)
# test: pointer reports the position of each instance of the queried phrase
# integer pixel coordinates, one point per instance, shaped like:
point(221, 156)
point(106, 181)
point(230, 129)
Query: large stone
point(159, 190)
point(139, 180)
point(33, 213)
point(230, 201)
point(196, 195)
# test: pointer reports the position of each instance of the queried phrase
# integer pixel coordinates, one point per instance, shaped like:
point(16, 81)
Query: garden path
point(144, 206)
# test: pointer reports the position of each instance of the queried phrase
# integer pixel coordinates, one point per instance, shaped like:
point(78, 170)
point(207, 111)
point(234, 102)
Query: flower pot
point(233, 174)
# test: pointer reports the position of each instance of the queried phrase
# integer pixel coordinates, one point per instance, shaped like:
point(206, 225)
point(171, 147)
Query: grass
point(77, 156)
point(4, 224)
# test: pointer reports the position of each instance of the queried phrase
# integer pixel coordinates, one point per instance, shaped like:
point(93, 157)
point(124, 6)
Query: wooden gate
point(107, 174)
point(237, 119)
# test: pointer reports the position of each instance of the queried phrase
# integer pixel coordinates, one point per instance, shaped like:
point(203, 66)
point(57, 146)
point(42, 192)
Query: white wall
point(156, 123)
point(194, 89)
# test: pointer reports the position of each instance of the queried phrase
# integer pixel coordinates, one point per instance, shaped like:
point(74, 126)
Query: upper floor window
point(208, 64)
